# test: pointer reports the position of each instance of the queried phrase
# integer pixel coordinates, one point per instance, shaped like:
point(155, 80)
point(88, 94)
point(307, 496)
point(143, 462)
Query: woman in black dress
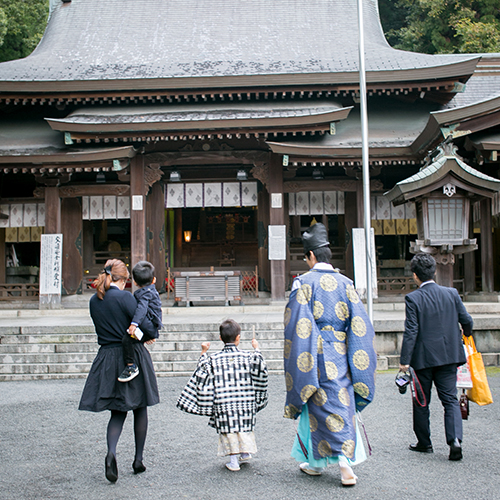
point(112, 310)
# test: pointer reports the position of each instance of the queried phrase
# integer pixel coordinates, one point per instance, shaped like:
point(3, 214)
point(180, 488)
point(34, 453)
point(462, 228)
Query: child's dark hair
point(229, 330)
point(143, 273)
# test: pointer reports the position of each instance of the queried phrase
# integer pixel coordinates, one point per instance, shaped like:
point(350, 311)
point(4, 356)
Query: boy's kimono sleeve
point(300, 354)
point(198, 395)
point(258, 372)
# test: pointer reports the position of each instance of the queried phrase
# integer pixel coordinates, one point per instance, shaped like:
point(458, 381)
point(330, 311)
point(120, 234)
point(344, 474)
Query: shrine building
point(181, 132)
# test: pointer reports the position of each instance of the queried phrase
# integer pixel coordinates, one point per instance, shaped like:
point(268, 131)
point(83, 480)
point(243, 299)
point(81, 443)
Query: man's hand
point(205, 347)
point(404, 368)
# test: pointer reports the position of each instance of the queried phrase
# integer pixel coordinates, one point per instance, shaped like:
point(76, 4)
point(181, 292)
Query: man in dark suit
point(432, 346)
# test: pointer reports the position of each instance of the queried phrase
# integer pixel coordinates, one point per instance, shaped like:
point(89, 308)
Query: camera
point(403, 380)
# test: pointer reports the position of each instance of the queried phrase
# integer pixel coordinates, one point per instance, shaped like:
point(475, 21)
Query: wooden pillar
point(178, 237)
point(155, 216)
point(470, 262)
point(360, 204)
point(486, 246)
point(72, 262)
point(444, 272)
point(262, 255)
point(52, 210)
point(2, 255)
point(87, 245)
point(350, 219)
point(277, 217)
point(138, 212)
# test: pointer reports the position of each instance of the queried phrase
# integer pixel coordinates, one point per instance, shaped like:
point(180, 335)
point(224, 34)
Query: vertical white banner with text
point(51, 264)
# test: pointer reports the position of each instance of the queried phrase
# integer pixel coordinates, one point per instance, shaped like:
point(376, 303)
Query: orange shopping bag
point(480, 392)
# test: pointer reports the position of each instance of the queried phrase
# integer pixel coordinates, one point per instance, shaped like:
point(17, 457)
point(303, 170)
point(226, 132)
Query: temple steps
point(30, 353)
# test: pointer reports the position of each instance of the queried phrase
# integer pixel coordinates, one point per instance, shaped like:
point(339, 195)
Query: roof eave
point(459, 69)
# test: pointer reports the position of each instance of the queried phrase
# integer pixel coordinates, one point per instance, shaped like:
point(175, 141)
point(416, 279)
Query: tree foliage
point(442, 26)
point(22, 23)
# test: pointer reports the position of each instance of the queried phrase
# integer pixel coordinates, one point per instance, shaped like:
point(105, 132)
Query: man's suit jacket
point(432, 336)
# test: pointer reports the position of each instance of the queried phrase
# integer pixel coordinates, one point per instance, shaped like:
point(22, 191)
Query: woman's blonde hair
point(114, 270)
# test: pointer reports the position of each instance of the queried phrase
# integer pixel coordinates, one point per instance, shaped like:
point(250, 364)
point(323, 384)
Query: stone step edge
point(391, 361)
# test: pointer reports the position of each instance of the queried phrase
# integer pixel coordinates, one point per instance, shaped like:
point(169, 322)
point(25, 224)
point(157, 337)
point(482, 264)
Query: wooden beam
point(137, 213)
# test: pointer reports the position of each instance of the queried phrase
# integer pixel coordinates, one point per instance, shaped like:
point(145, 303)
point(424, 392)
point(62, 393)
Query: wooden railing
point(395, 284)
point(19, 291)
point(249, 283)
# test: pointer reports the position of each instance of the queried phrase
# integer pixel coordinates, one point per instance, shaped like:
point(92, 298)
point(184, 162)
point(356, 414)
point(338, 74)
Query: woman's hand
point(149, 342)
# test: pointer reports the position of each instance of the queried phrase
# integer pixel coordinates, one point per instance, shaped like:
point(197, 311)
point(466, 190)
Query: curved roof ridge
point(89, 40)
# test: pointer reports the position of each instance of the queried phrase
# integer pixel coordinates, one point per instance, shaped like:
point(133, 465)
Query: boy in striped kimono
point(230, 386)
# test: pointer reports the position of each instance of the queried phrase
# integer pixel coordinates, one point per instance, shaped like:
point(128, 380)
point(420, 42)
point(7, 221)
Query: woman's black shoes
point(138, 466)
point(111, 468)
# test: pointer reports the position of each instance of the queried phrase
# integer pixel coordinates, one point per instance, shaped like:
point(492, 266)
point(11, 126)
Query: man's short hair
point(322, 254)
point(424, 266)
point(229, 330)
point(143, 273)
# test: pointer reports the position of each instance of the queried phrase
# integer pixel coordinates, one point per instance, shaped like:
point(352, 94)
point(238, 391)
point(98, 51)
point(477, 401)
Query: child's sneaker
point(129, 372)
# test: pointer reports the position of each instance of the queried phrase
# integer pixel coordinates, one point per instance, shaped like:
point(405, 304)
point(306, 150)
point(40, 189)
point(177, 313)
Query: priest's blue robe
point(329, 359)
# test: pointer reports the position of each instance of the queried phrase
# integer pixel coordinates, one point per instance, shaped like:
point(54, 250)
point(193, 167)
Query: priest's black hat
point(315, 237)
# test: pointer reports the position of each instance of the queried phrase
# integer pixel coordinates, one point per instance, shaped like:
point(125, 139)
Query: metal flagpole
point(366, 165)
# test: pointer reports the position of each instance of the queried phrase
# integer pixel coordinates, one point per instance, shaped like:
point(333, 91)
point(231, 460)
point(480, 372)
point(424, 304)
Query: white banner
point(277, 242)
point(51, 264)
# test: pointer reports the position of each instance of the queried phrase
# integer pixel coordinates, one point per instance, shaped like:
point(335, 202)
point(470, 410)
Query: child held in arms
point(230, 386)
point(147, 319)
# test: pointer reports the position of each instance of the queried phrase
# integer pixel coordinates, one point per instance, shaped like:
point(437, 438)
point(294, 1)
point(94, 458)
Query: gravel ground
point(50, 450)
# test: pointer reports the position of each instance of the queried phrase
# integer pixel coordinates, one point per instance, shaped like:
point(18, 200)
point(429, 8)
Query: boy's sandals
point(231, 468)
point(245, 459)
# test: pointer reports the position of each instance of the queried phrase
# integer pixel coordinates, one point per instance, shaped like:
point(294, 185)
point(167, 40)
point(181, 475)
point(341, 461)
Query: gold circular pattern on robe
point(331, 370)
point(320, 344)
point(304, 294)
point(327, 328)
point(313, 423)
point(288, 381)
point(341, 310)
point(348, 448)
point(361, 360)
point(334, 422)
point(318, 309)
point(328, 283)
point(287, 348)
point(319, 398)
point(340, 347)
point(288, 315)
point(306, 392)
point(304, 328)
point(358, 326)
point(324, 448)
point(344, 396)
point(290, 411)
point(340, 335)
point(351, 293)
point(305, 362)
point(361, 389)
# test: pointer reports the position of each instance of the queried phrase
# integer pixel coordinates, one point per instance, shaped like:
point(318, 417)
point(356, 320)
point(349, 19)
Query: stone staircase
point(57, 352)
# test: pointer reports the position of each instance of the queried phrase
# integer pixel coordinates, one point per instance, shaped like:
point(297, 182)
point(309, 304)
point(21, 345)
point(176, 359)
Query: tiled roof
point(200, 116)
point(264, 40)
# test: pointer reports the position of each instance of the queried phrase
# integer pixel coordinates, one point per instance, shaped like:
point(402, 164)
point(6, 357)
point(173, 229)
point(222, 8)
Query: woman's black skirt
point(102, 390)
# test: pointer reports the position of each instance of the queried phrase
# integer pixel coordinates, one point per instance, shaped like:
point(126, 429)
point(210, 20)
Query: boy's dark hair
point(229, 330)
point(143, 273)
point(322, 254)
point(424, 266)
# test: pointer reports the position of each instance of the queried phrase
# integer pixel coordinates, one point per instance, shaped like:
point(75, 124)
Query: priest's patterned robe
point(329, 359)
